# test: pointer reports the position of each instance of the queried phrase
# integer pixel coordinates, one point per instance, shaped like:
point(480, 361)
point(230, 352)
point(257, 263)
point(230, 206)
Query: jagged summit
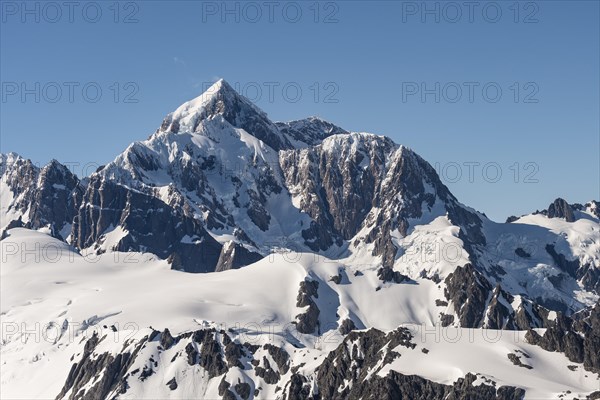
point(219, 91)
point(221, 100)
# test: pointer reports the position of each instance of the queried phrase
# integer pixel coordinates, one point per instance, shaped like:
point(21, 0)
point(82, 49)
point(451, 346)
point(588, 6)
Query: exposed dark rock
point(466, 283)
point(522, 253)
point(570, 267)
point(192, 354)
point(223, 386)
point(516, 360)
point(347, 326)
point(280, 356)
point(229, 395)
point(337, 279)
point(594, 395)
point(243, 390)
point(172, 384)
point(354, 363)
point(50, 195)
point(150, 225)
point(267, 373)
point(578, 337)
point(308, 321)
point(112, 370)
point(299, 388)
point(446, 319)
point(561, 209)
point(345, 365)
point(234, 255)
point(166, 340)
point(210, 356)
point(387, 274)
point(233, 353)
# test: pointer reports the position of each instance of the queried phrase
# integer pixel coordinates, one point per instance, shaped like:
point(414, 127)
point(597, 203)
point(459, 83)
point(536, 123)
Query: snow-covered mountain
point(332, 257)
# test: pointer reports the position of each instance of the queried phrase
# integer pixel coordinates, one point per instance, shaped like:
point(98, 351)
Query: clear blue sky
point(365, 58)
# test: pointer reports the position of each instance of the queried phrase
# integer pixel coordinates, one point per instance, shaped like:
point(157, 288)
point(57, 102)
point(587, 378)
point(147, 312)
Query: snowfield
point(53, 298)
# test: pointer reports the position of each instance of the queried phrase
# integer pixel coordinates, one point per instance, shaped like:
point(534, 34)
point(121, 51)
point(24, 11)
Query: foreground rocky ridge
point(222, 365)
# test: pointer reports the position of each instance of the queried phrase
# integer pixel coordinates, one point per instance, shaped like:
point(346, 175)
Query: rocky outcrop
point(360, 354)
point(561, 209)
point(342, 374)
point(142, 223)
point(46, 197)
point(578, 337)
point(280, 356)
point(399, 386)
point(347, 326)
point(308, 321)
point(111, 368)
point(387, 274)
point(234, 255)
point(477, 303)
point(56, 200)
point(100, 375)
point(469, 291)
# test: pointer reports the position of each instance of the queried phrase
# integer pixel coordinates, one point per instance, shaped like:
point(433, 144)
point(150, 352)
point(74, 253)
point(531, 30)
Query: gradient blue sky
point(367, 53)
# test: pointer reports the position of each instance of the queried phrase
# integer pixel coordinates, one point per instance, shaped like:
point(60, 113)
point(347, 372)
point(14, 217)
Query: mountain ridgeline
point(219, 186)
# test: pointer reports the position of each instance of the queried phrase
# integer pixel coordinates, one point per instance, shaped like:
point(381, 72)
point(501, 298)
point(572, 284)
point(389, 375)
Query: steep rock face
point(363, 181)
point(20, 177)
point(561, 209)
point(361, 354)
point(234, 256)
point(56, 200)
point(41, 197)
point(140, 359)
point(142, 222)
point(477, 303)
point(336, 184)
point(112, 368)
point(308, 321)
point(578, 337)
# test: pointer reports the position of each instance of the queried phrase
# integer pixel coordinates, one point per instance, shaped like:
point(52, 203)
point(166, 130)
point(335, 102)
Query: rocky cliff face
point(133, 221)
point(45, 197)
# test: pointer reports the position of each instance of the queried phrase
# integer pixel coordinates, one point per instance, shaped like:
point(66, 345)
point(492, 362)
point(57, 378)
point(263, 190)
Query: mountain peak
point(222, 100)
point(220, 87)
point(220, 91)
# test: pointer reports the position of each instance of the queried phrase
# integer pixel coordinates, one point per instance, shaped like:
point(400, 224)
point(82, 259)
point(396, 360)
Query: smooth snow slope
point(68, 296)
